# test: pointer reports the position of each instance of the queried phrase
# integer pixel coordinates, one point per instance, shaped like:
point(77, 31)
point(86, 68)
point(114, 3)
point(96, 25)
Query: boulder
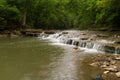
point(95, 64)
point(109, 49)
point(117, 58)
point(118, 74)
point(104, 66)
point(106, 72)
point(113, 62)
point(112, 69)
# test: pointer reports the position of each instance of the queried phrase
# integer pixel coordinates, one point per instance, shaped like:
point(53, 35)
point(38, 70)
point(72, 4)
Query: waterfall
point(82, 44)
point(117, 51)
point(82, 40)
point(90, 45)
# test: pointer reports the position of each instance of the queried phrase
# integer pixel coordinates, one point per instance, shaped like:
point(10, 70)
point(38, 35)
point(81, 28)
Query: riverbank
point(10, 34)
point(107, 63)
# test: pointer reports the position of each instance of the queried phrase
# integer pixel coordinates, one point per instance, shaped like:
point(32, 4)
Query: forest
point(59, 14)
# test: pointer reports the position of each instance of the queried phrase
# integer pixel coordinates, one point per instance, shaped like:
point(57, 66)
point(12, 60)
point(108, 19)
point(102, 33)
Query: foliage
point(9, 17)
point(59, 14)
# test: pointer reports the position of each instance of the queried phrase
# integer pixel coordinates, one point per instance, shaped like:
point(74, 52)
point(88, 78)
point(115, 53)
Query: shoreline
point(108, 64)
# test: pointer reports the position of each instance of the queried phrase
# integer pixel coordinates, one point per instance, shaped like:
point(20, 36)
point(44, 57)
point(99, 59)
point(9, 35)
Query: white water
point(64, 37)
point(105, 41)
point(61, 39)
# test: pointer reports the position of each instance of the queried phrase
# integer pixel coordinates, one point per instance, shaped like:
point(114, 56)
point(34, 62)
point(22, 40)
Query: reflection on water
point(34, 59)
point(66, 67)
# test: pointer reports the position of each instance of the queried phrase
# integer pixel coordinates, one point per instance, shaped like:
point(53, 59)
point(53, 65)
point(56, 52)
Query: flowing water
point(35, 59)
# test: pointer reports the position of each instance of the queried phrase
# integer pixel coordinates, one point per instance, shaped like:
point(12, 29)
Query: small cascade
point(81, 39)
point(82, 44)
point(90, 45)
point(99, 47)
point(76, 43)
point(117, 51)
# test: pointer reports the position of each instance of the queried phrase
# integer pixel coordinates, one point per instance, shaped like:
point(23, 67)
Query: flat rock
point(106, 72)
point(118, 74)
point(117, 58)
point(111, 69)
point(94, 64)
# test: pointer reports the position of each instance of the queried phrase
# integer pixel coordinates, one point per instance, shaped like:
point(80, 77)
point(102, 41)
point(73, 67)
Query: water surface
point(26, 58)
point(35, 59)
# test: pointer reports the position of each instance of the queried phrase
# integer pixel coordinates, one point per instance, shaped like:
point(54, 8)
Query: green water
point(35, 59)
point(26, 58)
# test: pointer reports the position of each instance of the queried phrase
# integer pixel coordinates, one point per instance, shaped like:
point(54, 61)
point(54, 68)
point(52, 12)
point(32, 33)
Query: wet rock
point(85, 38)
point(83, 34)
point(109, 49)
point(75, 48)
point(98, 77)
point(64, 32)
point(76, 43)
point(117, 42)
point(102, 35)
point(118, 74)
point(69, 41)
point(118, 50)
point(49, 32)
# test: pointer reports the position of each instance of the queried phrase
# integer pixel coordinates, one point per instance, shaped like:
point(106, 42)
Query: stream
point(46, 58)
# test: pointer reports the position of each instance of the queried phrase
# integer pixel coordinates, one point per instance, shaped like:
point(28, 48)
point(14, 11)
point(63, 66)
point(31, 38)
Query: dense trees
point(59, 14)
point(9, 17)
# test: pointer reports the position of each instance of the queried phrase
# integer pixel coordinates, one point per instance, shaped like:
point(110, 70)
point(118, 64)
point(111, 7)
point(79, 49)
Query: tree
point(60, 14)
point(9, 17)
point(24, 6)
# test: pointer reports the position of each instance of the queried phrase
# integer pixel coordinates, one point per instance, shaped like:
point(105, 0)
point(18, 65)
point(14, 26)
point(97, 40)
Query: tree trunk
point(24, 19)
point(24, 15)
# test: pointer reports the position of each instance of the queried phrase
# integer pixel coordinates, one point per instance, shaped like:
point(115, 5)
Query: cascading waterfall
point(80, 39)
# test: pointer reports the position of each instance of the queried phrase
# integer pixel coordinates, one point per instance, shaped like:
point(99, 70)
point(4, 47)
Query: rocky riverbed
point(109, 65)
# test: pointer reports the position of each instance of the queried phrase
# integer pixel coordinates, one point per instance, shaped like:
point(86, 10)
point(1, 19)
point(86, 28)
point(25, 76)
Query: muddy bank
point(107, 66)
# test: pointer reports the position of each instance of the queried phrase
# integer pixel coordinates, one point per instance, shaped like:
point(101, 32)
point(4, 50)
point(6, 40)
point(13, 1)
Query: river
point(35, 59)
